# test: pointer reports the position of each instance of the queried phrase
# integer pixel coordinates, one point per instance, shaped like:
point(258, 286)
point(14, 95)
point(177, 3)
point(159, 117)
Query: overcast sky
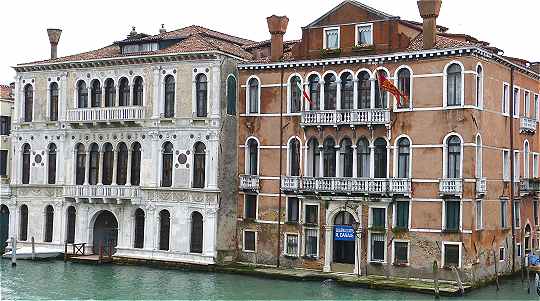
point(512, 26)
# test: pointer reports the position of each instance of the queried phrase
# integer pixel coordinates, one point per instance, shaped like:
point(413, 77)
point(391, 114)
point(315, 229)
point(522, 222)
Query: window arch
point(201, 94)
point(121, 164)
point(167, 164)
point(380, 158)
point(526, 152)
point(346, 158)
point(253, 96)
point(479, 86)
point(138, 242)
point(294, 157)
point(454, 85)
point(314, 156)
point(199, 161)
point(51, 164)
point(404, 84)
point(314, 92)
point(28, 102)
point(108, 162)
point(479, 157)
point(49, 222)
point(252, 157)
point(93, 169)
point(110, 93)
point(453, 165)
point(138, 91)
point(23, 225)
point(330, 92)
point(82, 94)
point(381, 96)
point(347, 91)
point(95, 94)
point(136, 164)
point(196, 244)
point(80, 164)
point(364, 90)
point(231, 95)
point(53, 102)
point(170, 95)
point(123, 99)
point(295, 94)
point(363, 158)
point(403, 158)
point(26, 163)
point(71, 216)
point(329, 158)
point(164, 229)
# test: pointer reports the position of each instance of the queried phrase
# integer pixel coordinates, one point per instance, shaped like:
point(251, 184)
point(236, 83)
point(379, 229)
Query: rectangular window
point(535, 212)
point(501, 254)
point(250, 206)
point(401, 252)
point(292, 210)
point(504, 223)
point(527, 100)
point(5, 125)
point(312, 215)
point(535, 107)
point(517, 215)
point(535, 165)
point(451, 255)
point(402, 215)
point(291, 244)
point(331, 38)
point(312, 241)
point(378, 218)
point(518, 247)
point(506, 165)
point(249, 241)
point(479, 213)
point(505, 99)
point(515, 104)
point(3, 162)
point(452, 212)
point(364, 35)
point(516, 166)
point(377, 247)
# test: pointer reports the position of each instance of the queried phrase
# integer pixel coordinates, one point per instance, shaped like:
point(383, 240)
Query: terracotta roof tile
point(442, 42)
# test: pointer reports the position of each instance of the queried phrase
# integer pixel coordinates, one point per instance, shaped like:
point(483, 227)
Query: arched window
point(453, 167)
point(479, 159)
point(479, 86)
point(294, 157)
point(136, 164)
point(164, 229)
point(26, 163)
point(329, 158)
point(231, 95)
point(51, 164)
point(347, 91)
point(330, 92)
point(93, 169)
point(167, 161)
point(95, 94)
point(381, 96)
point(295, 94)
point(525, 159)
point(404, 85)
point(82, 94)
point(110, 93)
point(404, 157)
point(80, 164)
point(121, 164)
point(124, 92)
point(71, 216)
point(139, 229)
point(23, 226)
point(252, 162)
point(199, 161)
point(380, 158)
point(170, 95)
point(363, 158)
point(253, 96)
point(28, 102)
point(346, 158)
point(196, 244)
point(314, 92)
point(364, 90)
point(49, 222)
point(201, 93)
point(453, 85)
point(138, 91)
point(108, 162)
point(314, 156)
point(53, 102)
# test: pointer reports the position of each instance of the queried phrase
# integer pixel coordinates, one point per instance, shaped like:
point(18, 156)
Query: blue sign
point(345, 233)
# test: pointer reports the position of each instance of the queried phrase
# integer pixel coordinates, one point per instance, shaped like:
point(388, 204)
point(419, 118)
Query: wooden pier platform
point(90, 259)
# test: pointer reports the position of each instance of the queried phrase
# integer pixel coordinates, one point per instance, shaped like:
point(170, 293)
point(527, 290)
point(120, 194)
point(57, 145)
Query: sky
point(512, 26)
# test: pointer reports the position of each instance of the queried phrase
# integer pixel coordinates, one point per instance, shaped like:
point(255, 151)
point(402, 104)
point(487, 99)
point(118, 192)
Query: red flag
point(387, 85)
point(304, 92)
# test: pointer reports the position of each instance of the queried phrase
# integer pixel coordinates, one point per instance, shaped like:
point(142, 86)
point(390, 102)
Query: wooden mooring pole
point(33, 249)
point(65, 251)
point(528, 282)
point(436, 279)
point(458, 280)
point(13, 252)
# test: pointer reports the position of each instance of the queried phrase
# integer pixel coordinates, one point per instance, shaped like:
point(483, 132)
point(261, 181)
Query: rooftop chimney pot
point(162, 29)
point(277, 26)
point(429, 11)
point(54, 37)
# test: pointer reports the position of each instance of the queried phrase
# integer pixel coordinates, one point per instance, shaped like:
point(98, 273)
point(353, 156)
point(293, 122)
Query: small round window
point(182, 159)
point(38, 158)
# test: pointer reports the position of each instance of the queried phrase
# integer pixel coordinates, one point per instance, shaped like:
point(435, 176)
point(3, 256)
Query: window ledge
point(451, 231)
point(311, 225)
point(306, 257)
point(248, 251)
point(291, 222)
point(449, 267)
point(376, 262)
point(398, 264)
point(290, 256)
point(249, 219)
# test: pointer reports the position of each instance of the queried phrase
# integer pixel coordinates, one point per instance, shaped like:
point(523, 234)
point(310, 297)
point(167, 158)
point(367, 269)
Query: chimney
point(277, 27)
point(162, 29)
point(535, 67)
point(429, 10)
point(54, 38)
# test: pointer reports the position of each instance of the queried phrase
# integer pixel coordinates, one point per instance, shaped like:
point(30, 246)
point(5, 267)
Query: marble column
point(115, 166)
point(328, 248)
point(355, 161)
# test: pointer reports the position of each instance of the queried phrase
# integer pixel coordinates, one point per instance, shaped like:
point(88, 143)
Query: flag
point(304, 92)
point(387, 85)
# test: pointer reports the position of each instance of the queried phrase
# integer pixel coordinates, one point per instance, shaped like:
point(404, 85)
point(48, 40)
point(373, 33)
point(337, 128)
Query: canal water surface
point(59, 280)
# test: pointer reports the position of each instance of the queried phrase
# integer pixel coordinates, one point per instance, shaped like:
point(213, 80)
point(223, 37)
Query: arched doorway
point(527, 238)
point(4, 227)
point(105, 232)
point(344, 251)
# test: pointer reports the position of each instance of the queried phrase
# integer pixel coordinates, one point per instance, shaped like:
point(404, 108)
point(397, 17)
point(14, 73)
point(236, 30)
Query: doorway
point(105, 233)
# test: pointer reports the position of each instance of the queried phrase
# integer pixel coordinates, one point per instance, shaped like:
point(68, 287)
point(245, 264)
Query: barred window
point(312, 241)
point(377, 247)
point(249, 241)
point(401, 252)
point(451, 255)
point(291, 244)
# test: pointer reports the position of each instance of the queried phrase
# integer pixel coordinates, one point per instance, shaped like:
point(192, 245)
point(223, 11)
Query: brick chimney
point(54, 37)
point(535, 67)
point(277, 26)
point(429, 10)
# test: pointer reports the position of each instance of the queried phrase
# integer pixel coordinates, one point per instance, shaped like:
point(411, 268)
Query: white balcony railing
point(346, 117)
point(528, 124)
point(249, 182)
point(102, 192)
point(529, 185)
point(481, 186)
point(110, 114)
point(451, 186)
point(346, 185)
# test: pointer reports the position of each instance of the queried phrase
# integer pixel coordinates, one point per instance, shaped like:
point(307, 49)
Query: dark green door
point(4, 227)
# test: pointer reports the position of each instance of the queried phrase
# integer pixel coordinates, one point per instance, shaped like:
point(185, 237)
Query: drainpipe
point(280, 162)
point(512, 163)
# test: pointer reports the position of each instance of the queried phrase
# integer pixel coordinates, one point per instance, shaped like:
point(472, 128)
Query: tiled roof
point(442, 42)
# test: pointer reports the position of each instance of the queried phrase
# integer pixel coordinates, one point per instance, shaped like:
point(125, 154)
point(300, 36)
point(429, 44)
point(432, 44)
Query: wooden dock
point(91, 259)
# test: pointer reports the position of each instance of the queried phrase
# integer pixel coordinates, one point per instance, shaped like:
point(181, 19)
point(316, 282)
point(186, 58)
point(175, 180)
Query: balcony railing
point(102, 192)
point(481, 186)
point(530, 185)
point(451, 186)
point(110, 114)
point(249, 182)
point(346, 117)
point(347, 185)
point(528, 124)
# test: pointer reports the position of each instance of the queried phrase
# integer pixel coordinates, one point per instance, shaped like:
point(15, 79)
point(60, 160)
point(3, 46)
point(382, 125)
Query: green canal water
point(59, 280)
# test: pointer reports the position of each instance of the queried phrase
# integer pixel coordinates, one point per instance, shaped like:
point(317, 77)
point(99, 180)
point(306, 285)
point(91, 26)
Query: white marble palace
point(130, 146)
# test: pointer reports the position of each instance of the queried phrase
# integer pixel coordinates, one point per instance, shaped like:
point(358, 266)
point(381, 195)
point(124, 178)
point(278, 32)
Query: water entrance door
point(343, 250)
point(105, 232)
point(4, 227)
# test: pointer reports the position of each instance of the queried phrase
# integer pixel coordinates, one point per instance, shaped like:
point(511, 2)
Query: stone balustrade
point(346, 117)
point(109, 114)
point(347, 185)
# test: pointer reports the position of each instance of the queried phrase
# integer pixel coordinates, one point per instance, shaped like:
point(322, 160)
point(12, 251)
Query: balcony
point(529, 185)
point(451, 187)
point(367, 117)
point(481, 186)
point(527, 125)
point(105, 193)
point(108, 115)
point(249, 182)
point(347, 185)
